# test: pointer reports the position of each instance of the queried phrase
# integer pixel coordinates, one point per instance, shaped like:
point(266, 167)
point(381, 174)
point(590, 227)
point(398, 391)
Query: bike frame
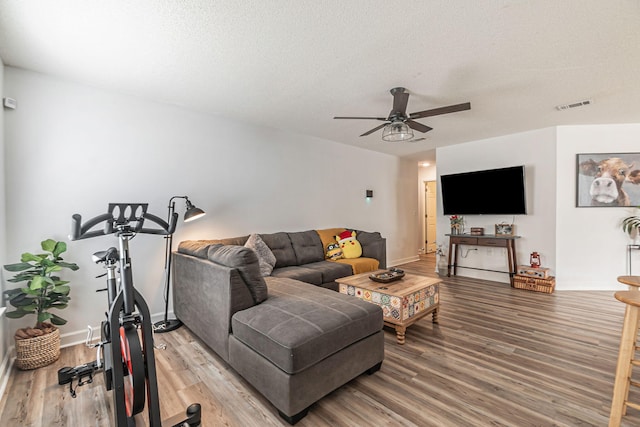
point(127, 307)
point(122, 313)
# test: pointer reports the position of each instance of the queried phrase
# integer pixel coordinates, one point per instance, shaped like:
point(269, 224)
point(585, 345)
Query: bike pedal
point(65, 375)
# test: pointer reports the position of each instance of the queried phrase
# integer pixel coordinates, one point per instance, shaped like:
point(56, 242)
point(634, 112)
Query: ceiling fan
point(398, 125)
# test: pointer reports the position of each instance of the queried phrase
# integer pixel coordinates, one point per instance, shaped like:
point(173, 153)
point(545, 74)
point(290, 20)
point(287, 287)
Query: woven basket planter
point(36, 352)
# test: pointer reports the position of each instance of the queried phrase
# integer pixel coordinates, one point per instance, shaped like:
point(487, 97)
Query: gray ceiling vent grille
point(574, 105)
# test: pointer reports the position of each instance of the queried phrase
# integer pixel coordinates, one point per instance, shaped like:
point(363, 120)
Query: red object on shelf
point(534, 259)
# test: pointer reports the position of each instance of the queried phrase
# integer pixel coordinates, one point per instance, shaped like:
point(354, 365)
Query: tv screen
point(485, 192)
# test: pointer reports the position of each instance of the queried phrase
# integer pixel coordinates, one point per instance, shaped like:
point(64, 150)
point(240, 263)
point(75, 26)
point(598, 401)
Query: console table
point(491, 240)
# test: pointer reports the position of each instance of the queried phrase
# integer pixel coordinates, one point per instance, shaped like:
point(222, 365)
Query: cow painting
point(609, 176)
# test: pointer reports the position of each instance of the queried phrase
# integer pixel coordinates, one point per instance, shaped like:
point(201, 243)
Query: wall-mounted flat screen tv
point(485, 192)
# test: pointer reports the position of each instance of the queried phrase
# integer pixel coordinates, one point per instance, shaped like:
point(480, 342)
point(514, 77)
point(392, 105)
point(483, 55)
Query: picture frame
point(504, 230)
point(607, 179)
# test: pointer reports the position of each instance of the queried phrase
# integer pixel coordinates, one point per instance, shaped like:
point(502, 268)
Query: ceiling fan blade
point(400, 100)
point(441, 110)
point(418, 126)
point(374, 129)
point(363, 118)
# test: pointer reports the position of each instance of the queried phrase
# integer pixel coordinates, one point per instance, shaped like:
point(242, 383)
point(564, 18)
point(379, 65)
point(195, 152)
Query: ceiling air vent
point(574, 104)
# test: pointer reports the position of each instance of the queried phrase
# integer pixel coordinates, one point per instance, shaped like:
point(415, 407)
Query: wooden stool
point(632, 281)
point(626, 356)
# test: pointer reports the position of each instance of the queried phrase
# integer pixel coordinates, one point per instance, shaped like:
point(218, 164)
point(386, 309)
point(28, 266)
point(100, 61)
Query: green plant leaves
point(630, 223)
point(43, 290)
point(17, 314)
point(68, 265)
point(37, 282)
point(20, 266)
point(49, 245)
point(29, 257)
point(56, 248)
point(57, 320)
point(44, 316)
point(63, 289)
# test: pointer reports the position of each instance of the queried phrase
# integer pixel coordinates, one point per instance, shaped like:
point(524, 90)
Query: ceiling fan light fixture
point(397, 131)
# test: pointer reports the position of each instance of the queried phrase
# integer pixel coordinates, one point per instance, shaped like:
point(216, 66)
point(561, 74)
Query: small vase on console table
point(457, 229)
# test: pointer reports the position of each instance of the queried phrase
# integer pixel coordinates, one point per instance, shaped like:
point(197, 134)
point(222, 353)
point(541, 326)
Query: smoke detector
point(574, 105)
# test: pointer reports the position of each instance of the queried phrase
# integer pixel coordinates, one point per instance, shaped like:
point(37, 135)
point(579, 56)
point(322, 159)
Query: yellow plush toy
point(334, 252)
point(351, 248)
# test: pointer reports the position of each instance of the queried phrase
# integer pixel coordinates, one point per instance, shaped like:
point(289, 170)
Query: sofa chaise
point(289, 334)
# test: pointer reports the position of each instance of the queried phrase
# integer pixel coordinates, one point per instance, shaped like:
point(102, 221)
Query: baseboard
point(5, 369)
point(66, 340)
point(79, 337)
point(400, 261)
point(563, 284)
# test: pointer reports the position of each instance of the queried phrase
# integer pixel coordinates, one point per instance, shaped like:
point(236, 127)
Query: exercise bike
point(125, 352)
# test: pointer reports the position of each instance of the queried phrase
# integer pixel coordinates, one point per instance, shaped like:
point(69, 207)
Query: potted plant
point(39, 345)
point(631, 226)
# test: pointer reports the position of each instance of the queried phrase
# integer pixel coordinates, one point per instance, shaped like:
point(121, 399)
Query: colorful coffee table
point(403, 301)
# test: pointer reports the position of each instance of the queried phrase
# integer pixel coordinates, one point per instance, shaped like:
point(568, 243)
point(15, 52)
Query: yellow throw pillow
point(328, 237)
point(351, 248)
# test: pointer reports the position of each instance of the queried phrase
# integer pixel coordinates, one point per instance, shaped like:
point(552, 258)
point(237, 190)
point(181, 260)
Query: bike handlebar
point(120, 215)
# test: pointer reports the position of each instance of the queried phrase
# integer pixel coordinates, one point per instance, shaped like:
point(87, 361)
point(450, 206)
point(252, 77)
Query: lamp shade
point(397, 131)
point(192, 212)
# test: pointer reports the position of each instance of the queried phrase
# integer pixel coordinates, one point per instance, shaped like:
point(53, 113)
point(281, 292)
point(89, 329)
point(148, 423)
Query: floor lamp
point(190, 214)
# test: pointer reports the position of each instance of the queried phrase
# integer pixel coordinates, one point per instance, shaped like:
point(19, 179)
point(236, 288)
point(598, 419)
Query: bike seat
point(110, 255)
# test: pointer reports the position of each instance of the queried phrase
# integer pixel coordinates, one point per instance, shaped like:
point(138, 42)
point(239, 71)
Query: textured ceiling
point(294, 64)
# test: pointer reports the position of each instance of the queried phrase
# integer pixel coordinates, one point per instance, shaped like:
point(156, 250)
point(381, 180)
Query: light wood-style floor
point(499, 357)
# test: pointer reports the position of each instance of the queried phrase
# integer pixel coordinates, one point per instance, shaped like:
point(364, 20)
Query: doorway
point(430, 243)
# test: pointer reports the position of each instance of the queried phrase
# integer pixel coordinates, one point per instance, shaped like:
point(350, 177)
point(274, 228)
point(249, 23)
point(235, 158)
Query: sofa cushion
point(246, 262)
point(330, 270)
point(366, 237)
point(304, 274)
point(307, 246)
point(235, 241)
point(197, 248)
point(266, 258)
point(300, 324)
point(280, 245)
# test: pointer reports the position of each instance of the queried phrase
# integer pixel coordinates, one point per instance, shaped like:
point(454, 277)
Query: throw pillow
point(266, 258)
point(328, 236)
point(351, 248)
point(246, 262)
point(334, 252)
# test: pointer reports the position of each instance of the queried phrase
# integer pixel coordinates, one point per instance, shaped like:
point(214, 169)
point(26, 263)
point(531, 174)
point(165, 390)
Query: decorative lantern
point(534, 259)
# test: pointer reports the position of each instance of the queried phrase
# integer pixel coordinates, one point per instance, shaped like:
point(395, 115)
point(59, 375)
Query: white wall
point(73, 149)
point(584, 247)
point(536, 150)
point(591, 247)
point(4, 327)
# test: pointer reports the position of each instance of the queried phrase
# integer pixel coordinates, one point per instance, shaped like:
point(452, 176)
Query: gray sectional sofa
point(290, 335)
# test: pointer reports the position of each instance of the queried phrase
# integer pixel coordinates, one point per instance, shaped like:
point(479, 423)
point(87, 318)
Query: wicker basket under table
point(547, 285)
point(36, 352)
